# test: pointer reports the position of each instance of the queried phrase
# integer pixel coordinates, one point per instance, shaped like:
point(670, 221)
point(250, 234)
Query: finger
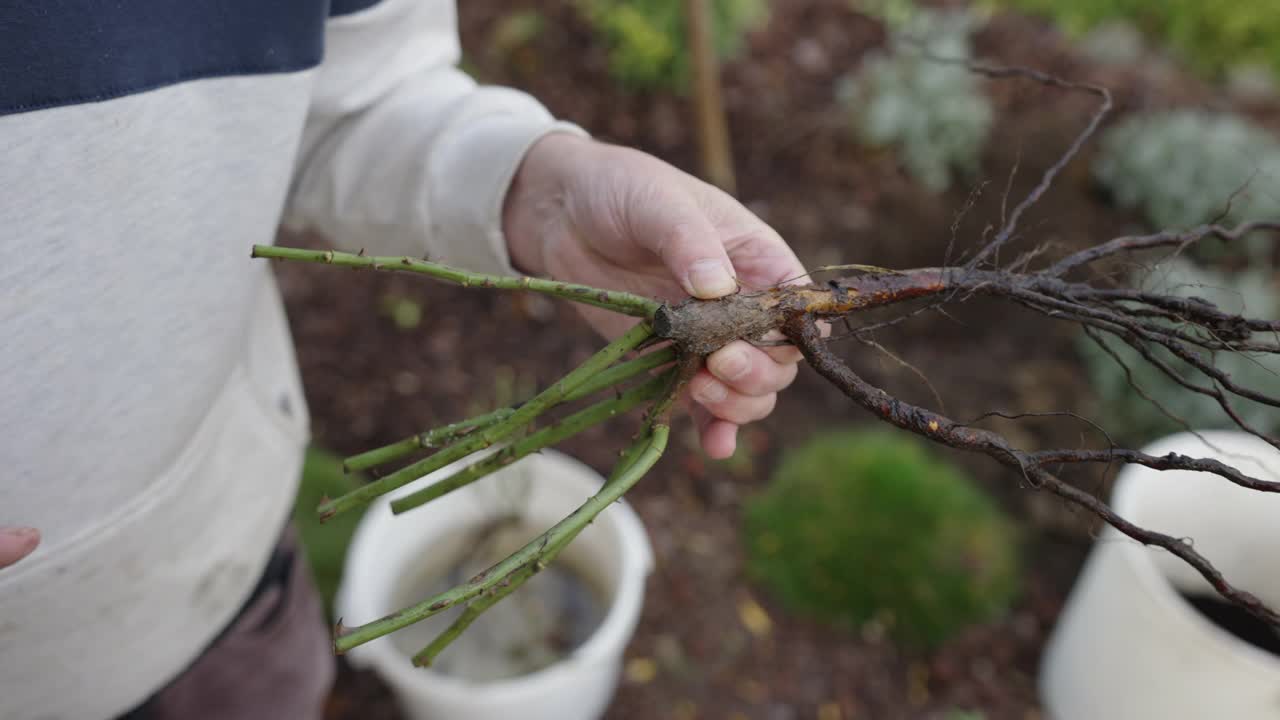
point(784, 354)
point(780, 353)
point(672, 226)
point(761, 258)
point(17, 543)
point(728, 404)
point(749, 370)
point(719, 439)
point(790, 353)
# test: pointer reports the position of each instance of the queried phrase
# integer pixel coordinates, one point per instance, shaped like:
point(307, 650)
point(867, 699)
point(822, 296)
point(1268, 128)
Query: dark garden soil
point(710, 645)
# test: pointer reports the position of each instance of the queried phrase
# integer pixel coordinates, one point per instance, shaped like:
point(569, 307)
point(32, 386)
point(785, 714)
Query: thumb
point(675, 228)
point(17, 543)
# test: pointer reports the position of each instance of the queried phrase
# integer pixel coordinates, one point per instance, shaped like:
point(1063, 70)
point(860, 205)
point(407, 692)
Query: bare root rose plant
point(670, 341)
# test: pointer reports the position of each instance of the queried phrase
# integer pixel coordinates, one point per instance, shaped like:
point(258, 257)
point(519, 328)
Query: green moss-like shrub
point(1213, 36)
point(326, 545)
point(860, 526)
point(648, 46)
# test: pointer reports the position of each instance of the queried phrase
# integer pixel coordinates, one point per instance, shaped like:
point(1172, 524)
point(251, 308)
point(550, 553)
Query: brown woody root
point(802, 330)
point(1178, 336)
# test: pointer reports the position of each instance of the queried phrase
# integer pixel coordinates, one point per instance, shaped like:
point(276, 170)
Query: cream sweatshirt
point(151, 417)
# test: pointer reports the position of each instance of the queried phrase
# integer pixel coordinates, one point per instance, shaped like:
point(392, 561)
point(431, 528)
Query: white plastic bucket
point(1128, 646)
point(614, 551)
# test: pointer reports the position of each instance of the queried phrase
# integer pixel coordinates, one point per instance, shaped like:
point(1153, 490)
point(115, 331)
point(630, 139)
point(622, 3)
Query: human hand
point(616, 218)
point(17, 543)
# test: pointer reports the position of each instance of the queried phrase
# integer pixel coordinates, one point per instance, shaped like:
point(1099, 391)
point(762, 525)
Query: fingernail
point(729, 365)
point(710, 392)
point(710, 279)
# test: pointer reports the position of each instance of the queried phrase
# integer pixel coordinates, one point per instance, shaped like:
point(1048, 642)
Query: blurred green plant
point(515, 30)
point(934, 114)
point(647, 38)
point(404, 312)
point(1212, 36)
point(509, 388)
point(1180, 169)
point(866, 526)
point(326, 546)
point(1133, 419)
point(893, 13)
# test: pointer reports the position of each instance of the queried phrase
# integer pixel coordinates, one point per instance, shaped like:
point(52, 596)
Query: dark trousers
point(274, 661)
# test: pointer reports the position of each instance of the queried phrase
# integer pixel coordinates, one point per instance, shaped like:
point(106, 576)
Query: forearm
point(405, 154)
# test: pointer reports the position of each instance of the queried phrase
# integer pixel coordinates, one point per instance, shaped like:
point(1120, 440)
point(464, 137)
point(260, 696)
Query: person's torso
point(151, 418)
point(144, 147)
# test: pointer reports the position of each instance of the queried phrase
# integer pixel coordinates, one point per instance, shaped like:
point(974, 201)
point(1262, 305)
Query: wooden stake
point(713, 129)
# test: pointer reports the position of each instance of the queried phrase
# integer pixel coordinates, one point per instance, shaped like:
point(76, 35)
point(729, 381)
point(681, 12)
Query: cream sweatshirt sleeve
point(402, 152)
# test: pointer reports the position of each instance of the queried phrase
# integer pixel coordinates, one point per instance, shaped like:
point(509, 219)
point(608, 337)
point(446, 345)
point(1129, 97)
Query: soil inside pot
point(1236, 621)
point(554, 613)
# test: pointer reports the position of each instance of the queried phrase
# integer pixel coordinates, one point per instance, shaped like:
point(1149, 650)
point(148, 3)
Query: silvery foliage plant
point(934, 114)
point(1180, 169)
point(1254, 291)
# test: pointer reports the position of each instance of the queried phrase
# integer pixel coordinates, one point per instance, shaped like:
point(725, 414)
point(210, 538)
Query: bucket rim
point(606, 644)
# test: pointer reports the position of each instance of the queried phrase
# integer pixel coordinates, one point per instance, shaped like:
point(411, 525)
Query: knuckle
point(765, 407)
point(787, 375)
point(787, 355)
point(769, 377)
point(745, 410)
point(676, 240)
point(731, 363)
point(709, 391)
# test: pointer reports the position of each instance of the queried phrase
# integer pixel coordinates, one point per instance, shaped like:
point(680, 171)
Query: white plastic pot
point(387, 549)
point(1128, 646)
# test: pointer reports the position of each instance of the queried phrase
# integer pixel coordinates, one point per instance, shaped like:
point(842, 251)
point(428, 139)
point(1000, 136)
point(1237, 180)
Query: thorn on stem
point(325, 514)
point(339, 630)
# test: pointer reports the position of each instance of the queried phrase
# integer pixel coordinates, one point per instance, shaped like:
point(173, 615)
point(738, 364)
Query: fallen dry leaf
point(641, 670)
point(754, 617)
